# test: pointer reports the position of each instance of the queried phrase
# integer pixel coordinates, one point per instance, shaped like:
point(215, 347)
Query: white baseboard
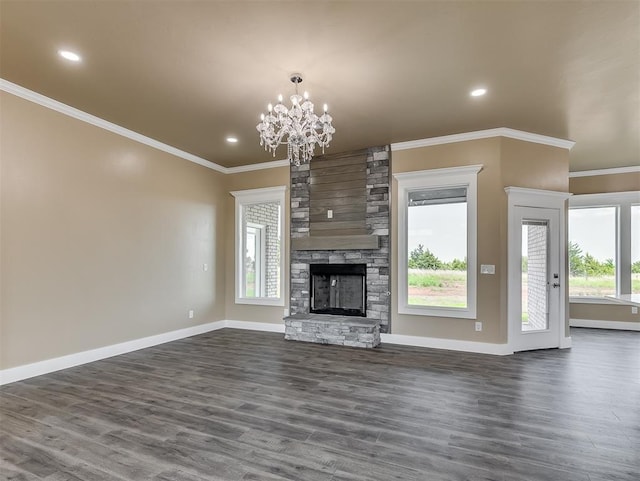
point(51, 365)
point(436, 343)
point(598, 324)
point(255, 326)
point(56, 364)
point(450, 344)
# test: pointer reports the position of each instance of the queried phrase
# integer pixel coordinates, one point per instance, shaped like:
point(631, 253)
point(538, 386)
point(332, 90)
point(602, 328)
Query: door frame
point(523, 197)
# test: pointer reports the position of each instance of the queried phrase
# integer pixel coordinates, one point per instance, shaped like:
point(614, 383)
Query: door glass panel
point(534, 275)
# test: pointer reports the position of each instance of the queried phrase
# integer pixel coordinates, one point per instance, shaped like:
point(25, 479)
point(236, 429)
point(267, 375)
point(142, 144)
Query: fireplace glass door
point(338, 289)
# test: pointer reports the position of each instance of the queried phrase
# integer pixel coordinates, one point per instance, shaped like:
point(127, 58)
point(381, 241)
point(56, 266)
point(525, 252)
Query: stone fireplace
point(340, 217)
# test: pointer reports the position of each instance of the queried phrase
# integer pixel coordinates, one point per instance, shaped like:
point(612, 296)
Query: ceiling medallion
point(298, 127)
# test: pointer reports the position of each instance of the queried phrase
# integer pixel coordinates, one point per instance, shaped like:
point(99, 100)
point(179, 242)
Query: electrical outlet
point(478, 326)
point(190, 313)
point(205, 267)
point(329, 214)
point(634, 310)
point(286, 313)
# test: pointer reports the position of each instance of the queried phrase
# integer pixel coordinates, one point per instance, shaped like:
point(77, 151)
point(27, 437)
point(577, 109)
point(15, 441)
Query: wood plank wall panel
point(338, 182)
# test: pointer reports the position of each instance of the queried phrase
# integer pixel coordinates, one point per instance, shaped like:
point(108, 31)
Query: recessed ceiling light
point(232, 140)
point(478, 92)
point(69, 55)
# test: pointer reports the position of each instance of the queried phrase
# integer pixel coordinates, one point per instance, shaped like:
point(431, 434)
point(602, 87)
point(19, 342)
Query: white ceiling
point(191, 73)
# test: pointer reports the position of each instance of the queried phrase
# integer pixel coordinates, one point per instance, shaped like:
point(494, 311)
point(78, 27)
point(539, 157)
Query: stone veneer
point(326, 329)
point(378, 303)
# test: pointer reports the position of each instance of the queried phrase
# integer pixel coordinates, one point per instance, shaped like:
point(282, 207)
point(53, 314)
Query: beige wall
point(537, 166)
point(243, 181)
point(491, 306)
point(506, 162)
point(603, 312)
point(103, 239)
point(534, 166)
point(598, 184)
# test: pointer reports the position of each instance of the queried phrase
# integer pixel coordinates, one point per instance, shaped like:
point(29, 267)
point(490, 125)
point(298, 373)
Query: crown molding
point(444, 172)
point(616, 170)
point(523, 191)
point(605, 198)
point(260, 166)
point(484, 134)
point(259, 192)
point(65, 109)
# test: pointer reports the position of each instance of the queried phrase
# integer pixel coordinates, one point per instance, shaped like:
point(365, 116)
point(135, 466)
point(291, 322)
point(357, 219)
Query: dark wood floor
point(242, 405)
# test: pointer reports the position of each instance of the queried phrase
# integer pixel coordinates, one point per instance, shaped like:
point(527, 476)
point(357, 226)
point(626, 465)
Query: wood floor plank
point(235, 405)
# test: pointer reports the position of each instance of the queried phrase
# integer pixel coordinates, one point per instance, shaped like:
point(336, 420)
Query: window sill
point(260, 301)
point(591, 300)
point(437, 312)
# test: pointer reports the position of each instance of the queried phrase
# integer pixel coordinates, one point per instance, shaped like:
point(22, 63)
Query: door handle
point(555, 284)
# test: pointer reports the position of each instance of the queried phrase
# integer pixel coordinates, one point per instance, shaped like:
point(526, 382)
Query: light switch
point(329, 214)
point(487, 269)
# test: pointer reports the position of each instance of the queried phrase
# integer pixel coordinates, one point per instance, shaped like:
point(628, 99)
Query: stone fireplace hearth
point(340, 217)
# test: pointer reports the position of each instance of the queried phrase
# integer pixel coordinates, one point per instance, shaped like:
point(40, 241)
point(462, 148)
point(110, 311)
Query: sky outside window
point(441, 228)
point(594, 230)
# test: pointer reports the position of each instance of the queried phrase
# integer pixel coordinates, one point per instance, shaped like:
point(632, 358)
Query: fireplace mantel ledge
point(337, 242)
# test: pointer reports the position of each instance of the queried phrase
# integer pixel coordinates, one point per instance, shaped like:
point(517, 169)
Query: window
point(603, 245)
point(592, 251)
point(259, 246)
point(635, 249)
point(255, 256)
point(437, 242)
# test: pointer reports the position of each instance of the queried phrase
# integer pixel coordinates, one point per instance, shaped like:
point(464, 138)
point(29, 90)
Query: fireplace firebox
point(338, 289)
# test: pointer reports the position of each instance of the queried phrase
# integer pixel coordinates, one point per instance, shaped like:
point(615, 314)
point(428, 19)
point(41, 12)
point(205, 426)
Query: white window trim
point(257, 196)
point(439, 178)
point(623, 201)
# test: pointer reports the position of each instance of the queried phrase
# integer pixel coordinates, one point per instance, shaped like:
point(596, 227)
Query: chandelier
point(298, 127)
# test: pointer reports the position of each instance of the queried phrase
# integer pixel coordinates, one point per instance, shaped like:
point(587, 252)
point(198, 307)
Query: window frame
point(407, 182)
point(251, 197)
point(622, 201)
